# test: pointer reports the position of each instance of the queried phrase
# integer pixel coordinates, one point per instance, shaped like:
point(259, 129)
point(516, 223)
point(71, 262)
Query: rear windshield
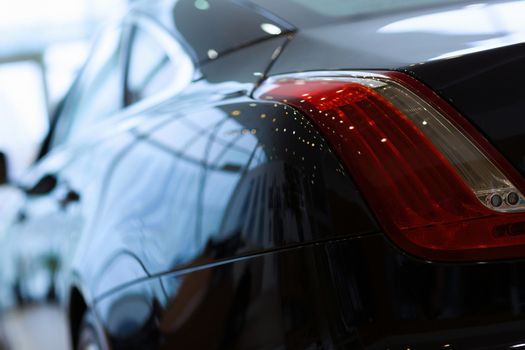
point(341, 8)
point(344, 8)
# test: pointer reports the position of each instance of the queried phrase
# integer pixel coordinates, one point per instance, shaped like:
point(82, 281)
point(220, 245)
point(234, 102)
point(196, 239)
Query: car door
point(61, 190)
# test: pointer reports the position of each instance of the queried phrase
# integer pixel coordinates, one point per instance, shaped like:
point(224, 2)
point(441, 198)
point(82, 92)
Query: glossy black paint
point(398, 39)
point(210, 220)
point(248, 65)
point(358, 293)
point(220, 25)
point(218, 175)
point(304, 14)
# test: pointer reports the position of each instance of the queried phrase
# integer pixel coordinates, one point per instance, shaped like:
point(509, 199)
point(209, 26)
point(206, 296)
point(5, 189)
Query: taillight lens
point(439, 189)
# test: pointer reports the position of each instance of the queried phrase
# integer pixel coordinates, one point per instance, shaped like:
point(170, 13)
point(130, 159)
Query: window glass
point(155, 66)
point(98, 91)
point(150, 69)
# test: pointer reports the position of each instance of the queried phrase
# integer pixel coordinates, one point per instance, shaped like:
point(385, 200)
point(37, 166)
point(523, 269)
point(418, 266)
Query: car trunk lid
point(488, 89)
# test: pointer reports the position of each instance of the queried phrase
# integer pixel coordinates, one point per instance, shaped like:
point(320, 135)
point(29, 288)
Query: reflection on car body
point(173, 207)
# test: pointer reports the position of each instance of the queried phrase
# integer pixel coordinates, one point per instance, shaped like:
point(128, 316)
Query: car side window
point(156, 64)
point(149, 69)
point(97, 93)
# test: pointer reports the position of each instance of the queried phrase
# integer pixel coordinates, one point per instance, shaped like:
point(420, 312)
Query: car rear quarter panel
point(355, 293)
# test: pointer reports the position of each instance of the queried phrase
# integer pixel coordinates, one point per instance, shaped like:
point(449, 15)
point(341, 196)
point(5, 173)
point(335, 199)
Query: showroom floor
point(32, 328)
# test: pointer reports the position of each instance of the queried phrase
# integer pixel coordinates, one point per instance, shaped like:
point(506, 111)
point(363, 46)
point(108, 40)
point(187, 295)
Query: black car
point(293, 174)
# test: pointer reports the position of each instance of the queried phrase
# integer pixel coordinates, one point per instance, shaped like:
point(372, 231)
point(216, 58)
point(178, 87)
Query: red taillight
point(437, 186)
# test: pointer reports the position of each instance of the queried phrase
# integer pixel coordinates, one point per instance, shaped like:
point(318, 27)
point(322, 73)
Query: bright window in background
point(62, 63)
point(13, 13)
point(23, 116)
point(58, 33)
point(38, 12)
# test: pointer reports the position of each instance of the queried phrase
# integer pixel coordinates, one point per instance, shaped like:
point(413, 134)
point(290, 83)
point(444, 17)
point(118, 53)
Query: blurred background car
point(43, 44)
